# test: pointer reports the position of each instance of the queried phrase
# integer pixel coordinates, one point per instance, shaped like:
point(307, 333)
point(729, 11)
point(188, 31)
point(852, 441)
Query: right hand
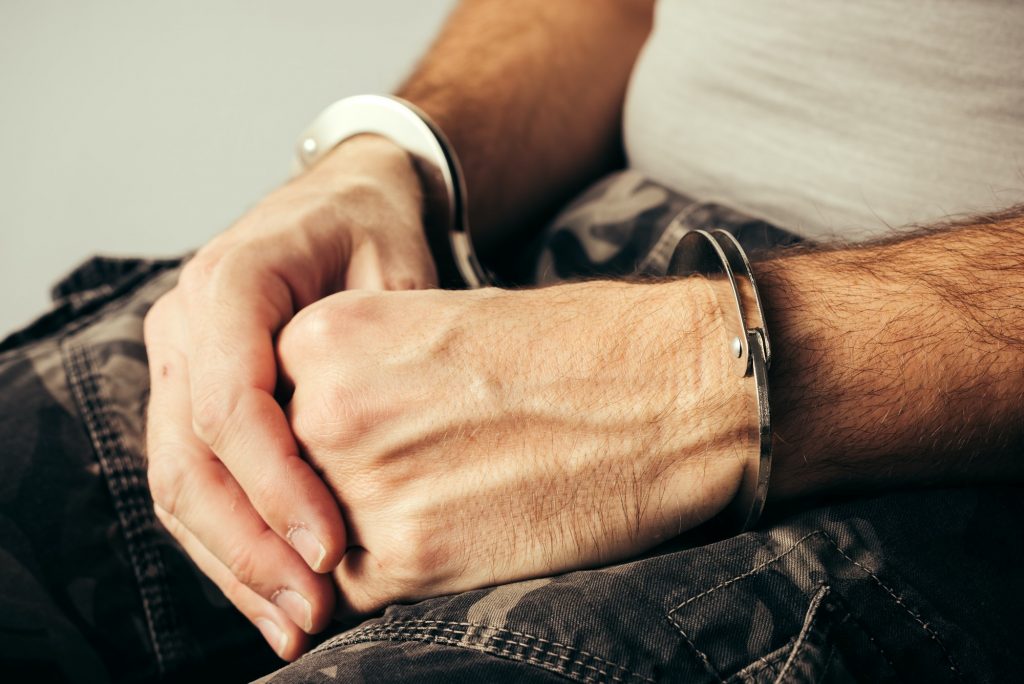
point(226, 476)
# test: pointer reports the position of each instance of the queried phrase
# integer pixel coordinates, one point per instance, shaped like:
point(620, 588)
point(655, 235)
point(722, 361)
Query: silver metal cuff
point(717, 255)
point(444, 192)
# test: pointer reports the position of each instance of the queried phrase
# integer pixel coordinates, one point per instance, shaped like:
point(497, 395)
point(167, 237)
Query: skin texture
point(475, 438)
point(225, 472)
point(215, 432)
point(430, 442)
point(900, 360)
point(482, 437)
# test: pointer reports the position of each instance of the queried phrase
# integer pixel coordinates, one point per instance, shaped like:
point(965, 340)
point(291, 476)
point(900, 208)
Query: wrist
point(368, 163)
point(442, 197)
point(637, 377)
point(704, 423)
point(370, 188)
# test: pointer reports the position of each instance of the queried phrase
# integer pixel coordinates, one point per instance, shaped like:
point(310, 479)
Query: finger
point(391, 265)
point(232, 312)
point(191, 485)
point(287, 640)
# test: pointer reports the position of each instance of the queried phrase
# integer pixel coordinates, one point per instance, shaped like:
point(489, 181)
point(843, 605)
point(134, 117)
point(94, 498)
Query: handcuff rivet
point(737, 347)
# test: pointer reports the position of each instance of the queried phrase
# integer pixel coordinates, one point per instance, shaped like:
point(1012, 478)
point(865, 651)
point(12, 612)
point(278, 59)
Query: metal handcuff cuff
point(444, 193)
point(715, 254)
point(718, 256)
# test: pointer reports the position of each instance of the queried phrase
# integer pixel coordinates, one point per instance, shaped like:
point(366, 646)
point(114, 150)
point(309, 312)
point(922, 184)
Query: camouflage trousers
point(909, 586)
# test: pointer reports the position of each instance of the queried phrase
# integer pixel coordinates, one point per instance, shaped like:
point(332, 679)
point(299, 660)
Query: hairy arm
point(531, 98)
point(899, 363)
point(604, 416)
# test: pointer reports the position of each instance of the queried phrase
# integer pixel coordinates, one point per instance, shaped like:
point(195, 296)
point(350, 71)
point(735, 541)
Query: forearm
point(899, 363)
point(531, 98)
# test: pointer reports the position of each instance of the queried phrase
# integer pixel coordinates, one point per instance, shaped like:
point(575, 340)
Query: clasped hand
point(475, 438)
point(320, 454)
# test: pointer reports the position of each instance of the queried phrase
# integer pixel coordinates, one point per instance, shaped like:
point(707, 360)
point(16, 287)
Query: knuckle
point(266, 492)
point(402, 568)
point(323, 327)
point(420, 566)
point(314, 424)
point(197, 271)
point(354, 413)
point(337, 418)
point(314, 326)
point(242, 564)
point(369, 589)
point(210, 269)
point(167, 484)
point(362, 598)
point(311, 218)
point(218, 279)
point(212, 408)
point(381, 481)
point(372, 598)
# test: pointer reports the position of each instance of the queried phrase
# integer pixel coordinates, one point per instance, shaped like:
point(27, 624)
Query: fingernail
point(308, 546)
point(295, 607)
point(277, 639)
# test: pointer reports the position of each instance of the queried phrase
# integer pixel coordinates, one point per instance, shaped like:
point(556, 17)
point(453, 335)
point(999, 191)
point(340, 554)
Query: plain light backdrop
point(145, 128)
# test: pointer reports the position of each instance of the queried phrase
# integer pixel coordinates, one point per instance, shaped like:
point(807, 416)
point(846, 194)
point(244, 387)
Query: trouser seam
point(126, 481)
point(571, 662)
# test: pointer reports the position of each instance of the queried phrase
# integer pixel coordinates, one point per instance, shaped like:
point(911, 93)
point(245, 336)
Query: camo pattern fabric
point(912, 586)
point(92, 589)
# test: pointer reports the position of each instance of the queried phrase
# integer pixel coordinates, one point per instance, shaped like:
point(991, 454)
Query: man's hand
point(475, 438)
point(480, 437)
point(353, 222)
point(226, 476)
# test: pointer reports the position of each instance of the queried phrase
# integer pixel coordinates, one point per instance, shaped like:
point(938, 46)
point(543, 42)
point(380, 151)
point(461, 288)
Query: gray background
point(131, 127)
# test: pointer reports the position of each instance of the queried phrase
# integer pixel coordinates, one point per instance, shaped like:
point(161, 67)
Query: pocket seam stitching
point(399, 630)
point(769, 661)
point(928, 629)
point(915, 616)
point(805, 630)
point(701, 655)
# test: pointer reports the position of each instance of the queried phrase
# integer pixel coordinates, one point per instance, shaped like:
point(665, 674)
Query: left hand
point(224, 470)
point(481, 437)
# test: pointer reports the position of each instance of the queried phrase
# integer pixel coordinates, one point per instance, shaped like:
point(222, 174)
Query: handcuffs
point(718, 256)
point(714, 254)
point(444, 192)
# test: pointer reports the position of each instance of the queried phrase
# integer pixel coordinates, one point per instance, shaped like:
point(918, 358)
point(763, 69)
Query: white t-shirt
point(832, 117)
